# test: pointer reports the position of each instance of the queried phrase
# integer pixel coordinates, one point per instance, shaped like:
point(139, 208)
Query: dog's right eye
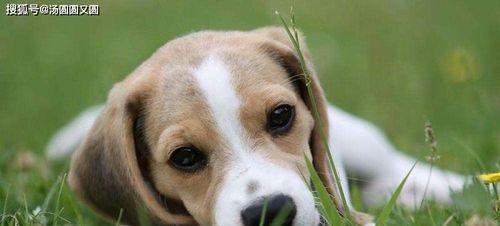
point(187, 159)
point(279, 120)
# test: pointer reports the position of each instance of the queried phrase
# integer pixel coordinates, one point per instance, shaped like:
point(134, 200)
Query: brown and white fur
point(212, 90)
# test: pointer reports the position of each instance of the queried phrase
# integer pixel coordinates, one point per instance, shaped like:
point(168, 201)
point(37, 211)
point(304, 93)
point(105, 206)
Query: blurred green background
point(396, 63)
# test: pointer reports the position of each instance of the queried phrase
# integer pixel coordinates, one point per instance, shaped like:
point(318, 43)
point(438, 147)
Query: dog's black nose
point(275, 205)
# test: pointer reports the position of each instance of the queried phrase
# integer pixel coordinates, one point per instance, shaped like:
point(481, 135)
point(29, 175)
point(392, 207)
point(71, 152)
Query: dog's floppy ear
point(281, 49)
point(106, 172)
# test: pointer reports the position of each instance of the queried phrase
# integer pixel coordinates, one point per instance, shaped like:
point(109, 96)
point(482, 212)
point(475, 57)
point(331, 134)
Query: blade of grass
point(356, 198)
point(54, 214)
point(5, 205)
point(50, 195)
point(326, 203)
point(449, 219)
point(263, 213)
point(79, 216)
point(430, 214)
point(13, 221)
point(295, 41)
point(495, 191)
point(304, 179)
point(426, 187)
point(473, 153)
point(27, 214)
point(282, 215)
point(142, 212)
point(401, 215)
point(386, 211)
point(118, 221)
point(56, 217)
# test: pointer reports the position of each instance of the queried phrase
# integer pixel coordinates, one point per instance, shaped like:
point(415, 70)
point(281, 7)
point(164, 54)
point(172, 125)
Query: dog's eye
point(280, 119)
point(187, 159)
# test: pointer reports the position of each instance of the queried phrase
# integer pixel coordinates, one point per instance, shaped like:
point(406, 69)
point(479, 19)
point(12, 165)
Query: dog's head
point(211, 127)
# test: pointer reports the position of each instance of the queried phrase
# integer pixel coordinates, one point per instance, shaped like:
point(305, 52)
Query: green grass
point(326, 201)
point(326, 205)
point(395, 63)
point(385, 213)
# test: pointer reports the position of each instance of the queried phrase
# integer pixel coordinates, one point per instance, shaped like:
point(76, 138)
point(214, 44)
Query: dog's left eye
point(187, 159)
point(279, 120)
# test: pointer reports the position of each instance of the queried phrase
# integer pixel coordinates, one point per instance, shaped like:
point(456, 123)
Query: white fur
point(214, 79)
point(67, 139)
point(245, 166)
point(368, 156)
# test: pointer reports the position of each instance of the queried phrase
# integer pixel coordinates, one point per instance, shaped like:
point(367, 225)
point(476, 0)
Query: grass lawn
point(395, 63)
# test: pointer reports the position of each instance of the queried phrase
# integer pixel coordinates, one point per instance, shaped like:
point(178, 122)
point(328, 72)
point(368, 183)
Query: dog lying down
point(214, 123)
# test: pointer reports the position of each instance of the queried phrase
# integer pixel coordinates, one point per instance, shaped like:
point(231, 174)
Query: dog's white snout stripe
point(214, 79)
point(245, 166)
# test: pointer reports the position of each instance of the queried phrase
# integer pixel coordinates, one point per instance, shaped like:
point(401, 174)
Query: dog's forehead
point(215, 56)
point(175, 96)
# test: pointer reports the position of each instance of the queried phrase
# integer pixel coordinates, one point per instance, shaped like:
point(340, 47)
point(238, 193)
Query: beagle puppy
point(216, 125)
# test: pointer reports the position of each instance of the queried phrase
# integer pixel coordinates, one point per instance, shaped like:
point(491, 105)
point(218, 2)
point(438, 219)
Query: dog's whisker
point(291, 79)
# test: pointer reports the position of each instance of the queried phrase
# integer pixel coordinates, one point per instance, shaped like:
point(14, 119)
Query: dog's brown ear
point(281, 49)
point(105, 171)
